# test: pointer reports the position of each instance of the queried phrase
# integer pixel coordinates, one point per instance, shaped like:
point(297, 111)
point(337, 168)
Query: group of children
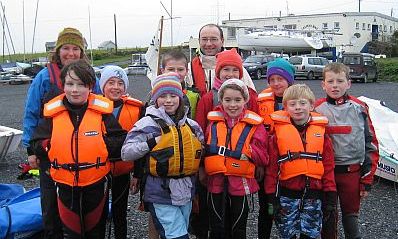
point(299, 154)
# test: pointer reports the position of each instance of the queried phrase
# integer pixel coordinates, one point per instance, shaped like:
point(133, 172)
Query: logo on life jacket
point(317, 135)
point(91, 133)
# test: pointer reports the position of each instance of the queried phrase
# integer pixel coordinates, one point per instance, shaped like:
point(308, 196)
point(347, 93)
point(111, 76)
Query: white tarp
point(385, 122)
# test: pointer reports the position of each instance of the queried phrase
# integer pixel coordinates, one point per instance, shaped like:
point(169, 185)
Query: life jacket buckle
point(221, 150)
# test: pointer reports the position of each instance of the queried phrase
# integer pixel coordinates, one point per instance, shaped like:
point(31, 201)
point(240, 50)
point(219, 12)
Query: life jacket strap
point(300, 155)
point(77, 166)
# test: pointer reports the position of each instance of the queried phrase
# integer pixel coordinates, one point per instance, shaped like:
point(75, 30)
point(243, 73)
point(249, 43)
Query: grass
point(388, 69)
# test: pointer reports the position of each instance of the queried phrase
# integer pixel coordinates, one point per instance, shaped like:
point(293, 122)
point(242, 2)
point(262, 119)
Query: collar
point(339, 101)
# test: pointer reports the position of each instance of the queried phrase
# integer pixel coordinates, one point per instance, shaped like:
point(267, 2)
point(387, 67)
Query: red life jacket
point(295, 157)
point(128, 115)
point(232, 157)
point(266, 106)
point(78, 157)
point(198, 75)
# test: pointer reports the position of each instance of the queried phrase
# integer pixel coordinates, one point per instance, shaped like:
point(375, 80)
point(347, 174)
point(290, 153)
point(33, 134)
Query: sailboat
point(279, 40)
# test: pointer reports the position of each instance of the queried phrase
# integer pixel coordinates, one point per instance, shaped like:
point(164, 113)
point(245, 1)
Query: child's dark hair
point(83, 70)
point(174, 55)
point(336, 67)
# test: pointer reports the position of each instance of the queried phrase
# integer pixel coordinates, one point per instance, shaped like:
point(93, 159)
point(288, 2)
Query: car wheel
point(310, 75)
point(258, 74)
point(365, 79)
point(375, 79)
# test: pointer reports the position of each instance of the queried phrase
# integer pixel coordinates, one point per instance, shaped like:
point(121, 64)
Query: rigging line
point(34, 28)
point(8, 29)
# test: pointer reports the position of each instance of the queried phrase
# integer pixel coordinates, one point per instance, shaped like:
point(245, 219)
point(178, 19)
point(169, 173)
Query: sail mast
point(160, 44)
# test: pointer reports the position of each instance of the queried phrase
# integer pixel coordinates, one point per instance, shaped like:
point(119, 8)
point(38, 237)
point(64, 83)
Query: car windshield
point(253, 59)
point(295, 60)
point(351, 60)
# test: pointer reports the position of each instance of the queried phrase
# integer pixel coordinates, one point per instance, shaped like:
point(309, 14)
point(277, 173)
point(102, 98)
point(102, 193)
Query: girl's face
point(229, 72)
point(75, 90)
point(170, 102)
point(114, 88)
point(278, 84)
point(69, 53)
point(233, 102)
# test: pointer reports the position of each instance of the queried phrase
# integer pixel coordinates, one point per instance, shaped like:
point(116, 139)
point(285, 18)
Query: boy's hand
point(134, 185)
point(33, 161)
point(259, 174)
point(363, 194)
point(157, 139)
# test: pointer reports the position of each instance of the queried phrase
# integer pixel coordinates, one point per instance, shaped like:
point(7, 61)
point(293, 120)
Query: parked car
point(11, 67)
point(310, 67)
point(256, 65)
point(362, 66)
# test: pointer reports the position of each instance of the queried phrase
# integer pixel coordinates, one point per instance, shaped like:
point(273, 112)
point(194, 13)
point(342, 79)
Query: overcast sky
point(137, 20)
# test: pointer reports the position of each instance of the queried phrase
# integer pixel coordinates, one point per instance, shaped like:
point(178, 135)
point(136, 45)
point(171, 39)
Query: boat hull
point(277, 43)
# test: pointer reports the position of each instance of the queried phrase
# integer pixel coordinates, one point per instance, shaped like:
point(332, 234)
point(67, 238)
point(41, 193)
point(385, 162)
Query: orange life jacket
point(295, 157)
point(198, 75)
point(128, 115)
point(233, 156)
point(78, 157)
point(266, 106)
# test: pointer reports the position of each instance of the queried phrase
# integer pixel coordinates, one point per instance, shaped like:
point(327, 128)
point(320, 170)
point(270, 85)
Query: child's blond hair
point(298, 91)
point(337, 68)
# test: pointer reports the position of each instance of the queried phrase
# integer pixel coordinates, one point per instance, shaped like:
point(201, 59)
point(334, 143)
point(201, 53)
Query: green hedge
point(388, 69)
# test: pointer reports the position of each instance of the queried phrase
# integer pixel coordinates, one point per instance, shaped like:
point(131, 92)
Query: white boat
point(9, 140)
point(385, 123)
point(278, 41)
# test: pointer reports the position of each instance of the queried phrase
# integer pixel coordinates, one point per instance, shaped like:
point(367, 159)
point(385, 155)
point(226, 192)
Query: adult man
point(202, 68)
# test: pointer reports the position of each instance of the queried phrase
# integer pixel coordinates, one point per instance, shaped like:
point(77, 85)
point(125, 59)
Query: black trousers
point(264, 225)
point(200, 221)
point(120, 194)
point(228, 216)
point(83, 210)
point(51, 221)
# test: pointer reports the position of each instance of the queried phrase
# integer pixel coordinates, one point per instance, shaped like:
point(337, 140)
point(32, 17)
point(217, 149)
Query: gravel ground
point(379, 213)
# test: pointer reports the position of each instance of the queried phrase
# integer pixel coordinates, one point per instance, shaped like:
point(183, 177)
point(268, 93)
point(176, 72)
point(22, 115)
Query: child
point(176, 61)
point(172, 144)
point(114, 83)
point(78, 136)
point(303, 167)
point(228, 66)
point(235, 146)
point(354, 143)
point(280, 75)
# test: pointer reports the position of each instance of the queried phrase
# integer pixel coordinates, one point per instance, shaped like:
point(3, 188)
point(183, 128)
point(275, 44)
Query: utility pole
point(114, 19)
point(171, 19)
point(34, 28)
point(91, 42)
point(359, 1)
point(23, 27)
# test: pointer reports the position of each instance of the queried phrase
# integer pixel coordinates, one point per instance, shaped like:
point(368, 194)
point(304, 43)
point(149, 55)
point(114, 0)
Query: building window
point(381, 28)
point(356, 25)
point(290, 27)
point(336, 25)
point(385, 28)
point(390, 29)
point(270, 27)
point(368, 27)
point(231, 33)
point(363, 26)
point(325, 25)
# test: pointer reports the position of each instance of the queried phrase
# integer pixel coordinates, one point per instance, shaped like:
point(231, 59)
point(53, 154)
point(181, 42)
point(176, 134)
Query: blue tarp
point(20, 212)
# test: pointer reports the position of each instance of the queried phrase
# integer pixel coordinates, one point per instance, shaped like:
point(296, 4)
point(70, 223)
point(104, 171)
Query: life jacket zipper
point(181, 149)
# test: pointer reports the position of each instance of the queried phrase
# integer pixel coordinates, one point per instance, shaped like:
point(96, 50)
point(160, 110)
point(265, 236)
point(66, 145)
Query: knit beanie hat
point(70, 36)
point(237, 82)
point(229, 58)
point(168, 83)
point(282, 68)
point(113, 71)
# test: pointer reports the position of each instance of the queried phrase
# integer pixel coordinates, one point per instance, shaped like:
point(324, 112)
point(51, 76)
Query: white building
point(107, 45)
point(350, 31)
